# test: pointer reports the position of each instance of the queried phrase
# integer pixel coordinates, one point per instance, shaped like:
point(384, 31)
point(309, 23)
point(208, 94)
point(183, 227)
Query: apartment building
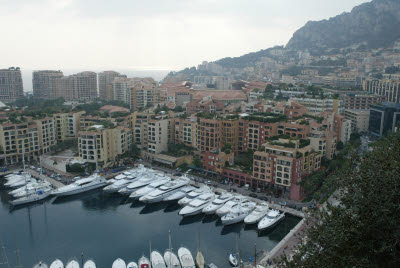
point(45, 83)
point(140, 129)
point(362, 101)
point(388, 88)
point(14, 138)
point(103, 146)
point(106, 79)
point(384, 118)
point(316, 106)
point(293, 129)
point(338, 124)
point(11, 86)
point(36, 137)
point(77, 87)
point(160, 133)
point(323, 140)
point(252, 133)
point(67, 125)
point(359, 120)
point(216, 161)
point(120, 88)
point(209, 132)
point(230, 134)
point(144, 94)
point(185, 131)
point(282, 164)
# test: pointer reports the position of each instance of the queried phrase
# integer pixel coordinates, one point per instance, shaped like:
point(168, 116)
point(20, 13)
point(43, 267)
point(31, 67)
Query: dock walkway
point(36, 174)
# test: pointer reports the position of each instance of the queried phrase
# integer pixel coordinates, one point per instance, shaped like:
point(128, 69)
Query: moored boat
point(171, 260)
point(39, 195)
point(180, 194)
point(144, 262)
point(164, 191)
point(258, 213)
point(157, 260)
point(186, 258)
point(119, 263)
point(40, 265)
point(271, 219)
point(217, 203)
point(57, 264)
point(89, 264)
point(72, 264)
point(197, 205)
point(80, 186)
point(132, 264)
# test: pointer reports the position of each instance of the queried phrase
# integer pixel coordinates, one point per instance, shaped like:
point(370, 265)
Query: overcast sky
point(148, 34)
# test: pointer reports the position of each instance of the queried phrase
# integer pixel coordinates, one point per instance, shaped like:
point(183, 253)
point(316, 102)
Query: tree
point(197, 162)
point(339, 145)
point(362, 229)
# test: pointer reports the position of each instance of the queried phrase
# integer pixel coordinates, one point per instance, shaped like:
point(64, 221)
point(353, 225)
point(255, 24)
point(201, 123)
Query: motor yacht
point(236, 215)
point(164, 191)
point(72, 264)
point(119, 263)
point(197, 205)
point(19, 181)
point(233, 260)
point(116, 178)
point(227, 207)
point(89, 264)
point(186, 258)
point(22, 182)
point(37, 196)
point(116, 186)
point(271, 219)
point(147, 189)
point(80, 186)
point(157, 260)
point(144, 262)
point(57, 264)
point(192, 195)
point(217, 203)
point(132, 264)
point(137, 184)
point(258, 213)
point(171, 260)
point(180, 194)
point(24, 190)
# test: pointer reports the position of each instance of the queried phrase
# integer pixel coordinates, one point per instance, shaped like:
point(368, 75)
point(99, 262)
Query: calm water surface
point(107, 226)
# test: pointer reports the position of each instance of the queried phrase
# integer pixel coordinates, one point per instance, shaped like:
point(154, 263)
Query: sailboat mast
point(170, 248)
point(3, 255)
point(150, 249)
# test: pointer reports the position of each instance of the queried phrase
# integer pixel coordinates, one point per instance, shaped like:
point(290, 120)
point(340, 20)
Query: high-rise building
point(105, 82)
point(81, 86)
point(45, 83)
point(11, 87)
point(390, 88)
point(384, 118)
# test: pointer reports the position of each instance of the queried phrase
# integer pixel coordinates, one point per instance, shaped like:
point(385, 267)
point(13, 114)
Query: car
point(234, 190)
point(189, 170)
point(282, 203)
point(258, 190)
point(312, 206)
point(32, 167)
point(52, 176)
point(253, 195)
point(215, 185)
point(39, 170)
point(208, 182)
point(264, 198)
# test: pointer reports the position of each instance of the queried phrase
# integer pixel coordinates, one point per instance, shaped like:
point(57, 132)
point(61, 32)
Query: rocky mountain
point(375, 24)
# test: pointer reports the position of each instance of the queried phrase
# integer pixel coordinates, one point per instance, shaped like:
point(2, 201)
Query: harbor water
point(106, 226)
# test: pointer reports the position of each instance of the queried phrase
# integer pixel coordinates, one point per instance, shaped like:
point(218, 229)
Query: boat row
point(183, 259)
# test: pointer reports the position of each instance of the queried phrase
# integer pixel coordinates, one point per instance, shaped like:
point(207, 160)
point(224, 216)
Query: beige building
point(11, 87)
point(159, 133)
point(103, 146)
point(81, 86)
point(67, 125)
point(323, 141)
point(359, 119)
point(106, 79)
point(36, 137)
point(140, 130)
point(185, 131)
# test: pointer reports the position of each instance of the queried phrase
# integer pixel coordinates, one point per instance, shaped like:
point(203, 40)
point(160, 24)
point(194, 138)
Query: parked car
point(208, 182)
point(253, 195)
point(234, 190)
point(4, 169)
point(39, 170)
point(247, 186)
point(258, 190)
point(282, 203)
point(32, 167)
point(264, 198)
point(52, 176)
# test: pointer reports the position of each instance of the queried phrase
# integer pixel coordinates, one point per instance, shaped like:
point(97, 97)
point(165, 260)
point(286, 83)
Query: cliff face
point(375, 23)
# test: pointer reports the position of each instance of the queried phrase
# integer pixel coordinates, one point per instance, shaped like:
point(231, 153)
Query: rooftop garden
point(266, 117)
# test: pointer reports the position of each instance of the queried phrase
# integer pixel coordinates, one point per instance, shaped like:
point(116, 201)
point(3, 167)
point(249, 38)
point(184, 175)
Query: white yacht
point(116, 178)
point(22, 182)
point(272, 218)
point(137, 184)
point(72, 264)
point(197, 205)
point(171, 260)
point(236, 215)
point(164, 191)
point(227, 207)
point(80, 186)
point(217, 203)
point(157, 260)
point(57, 264)
point(132, 264)
point(32, 191)
point(40, 265)
point(116, 186)
point(257, 214)
point(147, 189)
point(24, 190)
point(144, 262)
point(19, 181)
point(192, 195)
point(186, 258)
point(37, 196)
point(89, 264)
point(119, 263)
point(180, 194)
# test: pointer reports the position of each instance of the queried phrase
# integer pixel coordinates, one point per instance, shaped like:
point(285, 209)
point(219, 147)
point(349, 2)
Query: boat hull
point(80, 190)
point(26, 200)
point(270, 225)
